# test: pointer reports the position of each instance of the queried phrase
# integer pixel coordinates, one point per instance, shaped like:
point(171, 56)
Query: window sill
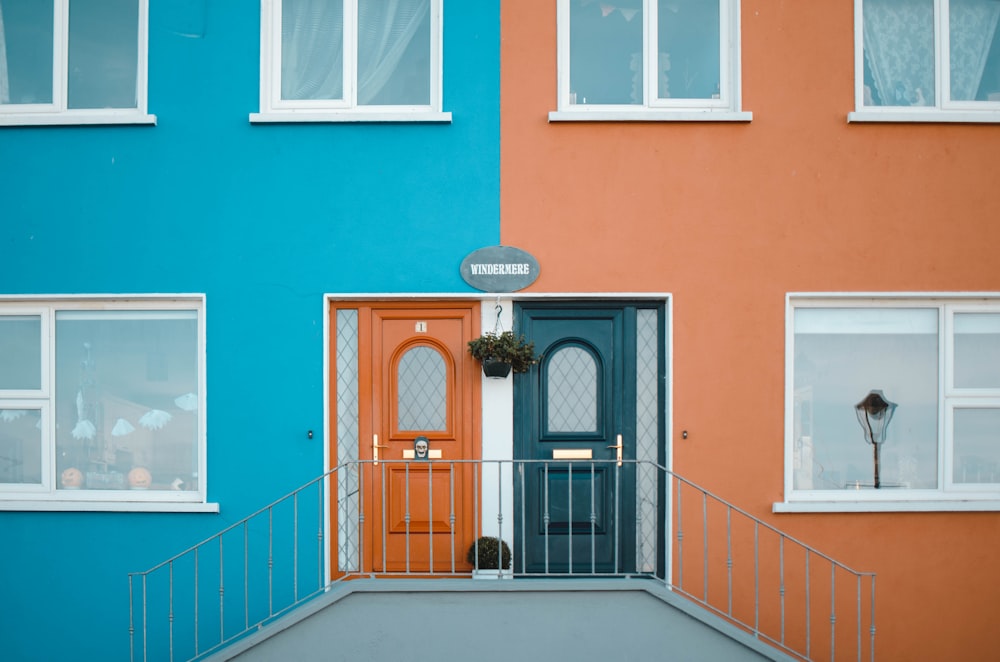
point(646, 115)
point(349, 116)
point(969, 505)
point(927, 116)
point(74, 119)
point(108, 506)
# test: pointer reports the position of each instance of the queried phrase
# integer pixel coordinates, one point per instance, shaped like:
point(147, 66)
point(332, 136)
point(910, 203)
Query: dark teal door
point(575, 502)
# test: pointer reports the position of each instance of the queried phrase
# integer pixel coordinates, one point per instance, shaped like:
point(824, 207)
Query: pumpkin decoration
point(71, 478)
point(139, 478)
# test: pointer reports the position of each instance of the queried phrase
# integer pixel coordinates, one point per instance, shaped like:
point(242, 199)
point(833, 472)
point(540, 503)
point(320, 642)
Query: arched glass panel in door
point(571, 391)
point(422, 390)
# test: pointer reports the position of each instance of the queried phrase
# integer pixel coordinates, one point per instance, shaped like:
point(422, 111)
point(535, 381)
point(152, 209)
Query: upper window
point(916, 56)
point(932, 434)
point(101, 402)
point(79, 62)
point(327, 60)
point(648, 57)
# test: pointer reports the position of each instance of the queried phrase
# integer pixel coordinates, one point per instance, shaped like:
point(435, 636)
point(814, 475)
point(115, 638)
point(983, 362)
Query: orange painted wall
point(729, 218)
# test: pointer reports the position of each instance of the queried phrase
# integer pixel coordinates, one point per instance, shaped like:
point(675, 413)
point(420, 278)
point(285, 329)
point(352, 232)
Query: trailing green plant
point(518, 351)
point(489, 548)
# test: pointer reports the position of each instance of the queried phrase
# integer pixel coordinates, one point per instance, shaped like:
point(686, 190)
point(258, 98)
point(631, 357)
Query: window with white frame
point(330, 59)
point(648, 55)
point(921, 55)
point(101, 401)
point(78, 62)
point(937, 361)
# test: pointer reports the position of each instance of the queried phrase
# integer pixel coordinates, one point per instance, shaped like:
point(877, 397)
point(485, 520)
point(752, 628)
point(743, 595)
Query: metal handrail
point(692, 541)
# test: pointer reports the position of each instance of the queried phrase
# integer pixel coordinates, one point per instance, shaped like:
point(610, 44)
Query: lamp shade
point(874, 413)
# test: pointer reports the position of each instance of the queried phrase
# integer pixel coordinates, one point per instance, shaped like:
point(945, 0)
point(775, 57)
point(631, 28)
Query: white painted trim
point(272, 108)
point(727, 107)
point(986, 505)
point(931, 116)
point(649, 115)
point(352, 115)
point(76, 118)
point(948, 496)
point(29, 505)
point(51, 498)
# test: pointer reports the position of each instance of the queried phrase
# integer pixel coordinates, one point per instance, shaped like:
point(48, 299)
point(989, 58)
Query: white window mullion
point(942, 54)
point(944, 446)
point(351, 52)
point(651, 50)
point(60, 54)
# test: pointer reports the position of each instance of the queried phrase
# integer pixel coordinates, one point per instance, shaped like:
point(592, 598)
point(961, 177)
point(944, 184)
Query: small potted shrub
point(484, 555)
point(502, 352)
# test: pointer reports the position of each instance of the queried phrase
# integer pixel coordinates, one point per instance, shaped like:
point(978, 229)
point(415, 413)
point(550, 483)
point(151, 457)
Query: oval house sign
point(499, 269)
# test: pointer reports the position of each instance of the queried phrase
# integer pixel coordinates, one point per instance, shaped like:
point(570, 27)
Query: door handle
point(618, 446)
point(375, 447)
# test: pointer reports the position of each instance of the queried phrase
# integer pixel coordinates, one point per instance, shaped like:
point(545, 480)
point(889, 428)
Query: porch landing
point(502, 620)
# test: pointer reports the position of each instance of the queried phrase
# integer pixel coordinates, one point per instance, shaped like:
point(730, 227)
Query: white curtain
point(4, 83)
point(385, 30)
point(899, 48)
point(973, 24)
point(312, 49)
point(313, 45)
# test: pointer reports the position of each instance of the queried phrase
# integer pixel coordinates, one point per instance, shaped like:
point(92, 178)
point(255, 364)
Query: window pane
point(977, 350)
point(977, 449)
point(422, 390)
point(26, 40)
point(20, 446)
point(606, 59)
point(840, 355)
point(20, 352)
point(126, 398)
point(571, 391)
point(899, 52)
point(312, 50)
point(972, 36)
point(394, 52)
point(688, 34)
point(103, 53)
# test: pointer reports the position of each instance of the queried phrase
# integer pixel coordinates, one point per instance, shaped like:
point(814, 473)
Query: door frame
point(496, 407)
point(331, 443)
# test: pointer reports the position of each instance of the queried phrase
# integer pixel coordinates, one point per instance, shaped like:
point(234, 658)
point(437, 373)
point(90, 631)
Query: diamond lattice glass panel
point(646, 436)
point(21, 446)
point(571, 391)
point(977, 350)
point(21, 352)
point(347, 439)
point(422, 390)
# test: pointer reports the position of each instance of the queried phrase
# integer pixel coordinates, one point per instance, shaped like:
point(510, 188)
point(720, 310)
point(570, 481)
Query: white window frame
point(57, 113)
point(943, 110)
point(948, 496)
point(274, 109)
point(727, 108)
point(45, 496)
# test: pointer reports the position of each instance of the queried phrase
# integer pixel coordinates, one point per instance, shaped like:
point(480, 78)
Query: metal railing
point(419, 519)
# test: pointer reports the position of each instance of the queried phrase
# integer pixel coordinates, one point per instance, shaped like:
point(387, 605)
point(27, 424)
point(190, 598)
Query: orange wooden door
point(423, 383)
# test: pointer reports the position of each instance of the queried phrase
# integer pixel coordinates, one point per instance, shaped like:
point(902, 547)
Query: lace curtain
point(899, 48)
point(312, 45)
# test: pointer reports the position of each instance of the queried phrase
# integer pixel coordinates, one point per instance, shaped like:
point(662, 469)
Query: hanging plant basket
point(515, 352)
point(496, 369)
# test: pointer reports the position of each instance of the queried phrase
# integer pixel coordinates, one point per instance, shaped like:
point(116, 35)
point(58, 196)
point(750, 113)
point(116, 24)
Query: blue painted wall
point(263, 219)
